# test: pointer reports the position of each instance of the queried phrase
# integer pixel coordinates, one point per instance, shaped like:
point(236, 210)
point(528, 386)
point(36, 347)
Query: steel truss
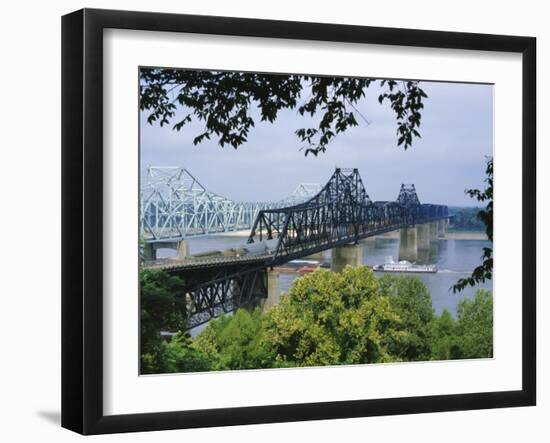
point(217, 291)
point(341, 212)
point(175, 205)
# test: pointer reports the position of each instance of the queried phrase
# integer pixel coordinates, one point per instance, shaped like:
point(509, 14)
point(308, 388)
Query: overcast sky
point(457, 136)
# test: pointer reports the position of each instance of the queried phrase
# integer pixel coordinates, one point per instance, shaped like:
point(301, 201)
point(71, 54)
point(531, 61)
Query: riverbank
point(452, 235)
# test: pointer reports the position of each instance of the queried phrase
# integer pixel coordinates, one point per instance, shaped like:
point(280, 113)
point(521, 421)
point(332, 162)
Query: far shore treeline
point(326, 318)
point(466, 219)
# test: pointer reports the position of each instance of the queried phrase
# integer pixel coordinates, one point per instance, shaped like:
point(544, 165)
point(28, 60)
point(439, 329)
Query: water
point(454, 258)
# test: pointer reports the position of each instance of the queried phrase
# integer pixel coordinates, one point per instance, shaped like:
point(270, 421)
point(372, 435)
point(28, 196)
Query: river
point(454, 258)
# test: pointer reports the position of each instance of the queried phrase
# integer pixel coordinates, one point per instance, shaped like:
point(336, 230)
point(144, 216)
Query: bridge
point(337, 217)
point(176, 206)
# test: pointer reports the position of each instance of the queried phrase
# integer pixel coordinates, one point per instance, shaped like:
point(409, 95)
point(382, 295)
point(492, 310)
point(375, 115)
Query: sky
point(456, 130)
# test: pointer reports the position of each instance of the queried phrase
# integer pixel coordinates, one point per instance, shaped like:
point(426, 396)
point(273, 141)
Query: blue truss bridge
point(339, 214)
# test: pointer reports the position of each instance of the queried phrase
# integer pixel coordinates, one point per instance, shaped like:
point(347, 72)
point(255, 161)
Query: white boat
point(404, 266)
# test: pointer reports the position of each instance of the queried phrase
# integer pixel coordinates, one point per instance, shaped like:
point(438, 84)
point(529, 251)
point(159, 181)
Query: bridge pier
point(434, 229)
point(319, 256)
point(150, 249)
point(423, 232)
point(182, 249)
point(441, 228)
point(408, 244)
point(273, 291)
point(350, 254)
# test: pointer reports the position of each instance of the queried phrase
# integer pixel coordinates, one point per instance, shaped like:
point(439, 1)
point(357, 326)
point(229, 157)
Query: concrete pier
point(434, 229)
point(408, 244)
point(441, 228)
point(182, 248)
point(346, 255)
point(423, 233)
point(319, 256)
point(273, 291)
point(150, 249)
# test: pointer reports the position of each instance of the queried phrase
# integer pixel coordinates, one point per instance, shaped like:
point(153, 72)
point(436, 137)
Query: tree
point(411, 300)
point(470, 335)
point(162, 306)
point(484, 271)
point(445, 342)
point(226, 102)
point(329, 318)
point(177, 355)
point(236, 342)
point(474, 327)
point(467, 219)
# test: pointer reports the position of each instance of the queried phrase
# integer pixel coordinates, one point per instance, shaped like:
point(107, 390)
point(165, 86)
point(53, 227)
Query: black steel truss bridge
point(340, 213)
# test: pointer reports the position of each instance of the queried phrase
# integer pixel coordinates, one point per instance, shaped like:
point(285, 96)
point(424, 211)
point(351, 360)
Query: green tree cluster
point(466, 219)
point(411, 300)
point(470, 335)
point(236, 342)
point(163, 308)
point(328, 318)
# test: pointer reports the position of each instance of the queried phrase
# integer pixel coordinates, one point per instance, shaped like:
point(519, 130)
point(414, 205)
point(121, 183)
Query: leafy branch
point(484, 271)
point(224, 101)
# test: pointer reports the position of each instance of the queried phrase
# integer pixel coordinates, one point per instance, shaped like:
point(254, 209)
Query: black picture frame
point(82, 218)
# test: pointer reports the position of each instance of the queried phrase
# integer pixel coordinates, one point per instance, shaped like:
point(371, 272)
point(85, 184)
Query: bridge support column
point(319, 256)
point(423, 233)
point(408, 244)
point(441, 228)
point(434, 228)
point(273, 291)
point(346, 255)
point(182, 248)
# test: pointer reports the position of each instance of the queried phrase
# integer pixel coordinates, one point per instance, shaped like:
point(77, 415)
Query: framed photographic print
point(269, 221)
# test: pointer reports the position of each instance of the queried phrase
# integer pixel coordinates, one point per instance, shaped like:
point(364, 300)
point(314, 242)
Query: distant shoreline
point(453, 235)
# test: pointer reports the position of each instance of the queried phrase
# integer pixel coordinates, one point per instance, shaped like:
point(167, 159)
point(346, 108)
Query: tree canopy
point(470, 335)
point(326, 318)
point(161, 306)
point(329, 318)
point(226, 103)
point(411, 300)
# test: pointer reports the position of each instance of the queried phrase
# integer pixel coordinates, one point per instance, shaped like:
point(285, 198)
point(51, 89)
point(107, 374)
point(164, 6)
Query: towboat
point(404, 266)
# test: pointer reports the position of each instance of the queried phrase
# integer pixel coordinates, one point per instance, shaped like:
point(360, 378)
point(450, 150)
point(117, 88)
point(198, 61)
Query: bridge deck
point(269, 259)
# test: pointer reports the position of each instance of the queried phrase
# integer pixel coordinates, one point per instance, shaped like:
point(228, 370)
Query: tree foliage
point(236, 342)
point(484, 271)
point(471, 335)
point(445, 343)
point(329, 318)
point(466, 219)
point(177, 355)
point(162, 306)
point(411, 301)
point(475, 326)
point(326, 318)
point(225, 103)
